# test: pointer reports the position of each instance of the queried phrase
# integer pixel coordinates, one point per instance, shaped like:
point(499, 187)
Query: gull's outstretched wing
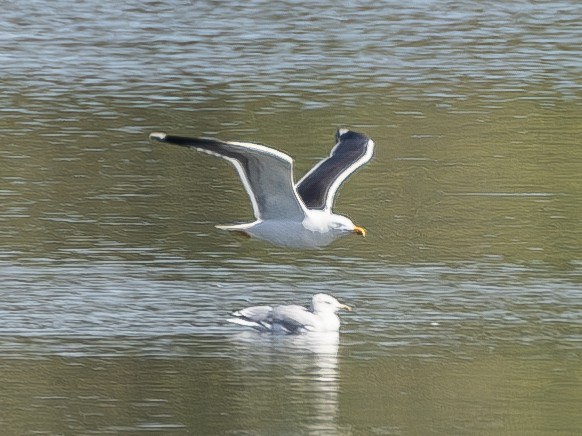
point(267, 174)
point(318, 187)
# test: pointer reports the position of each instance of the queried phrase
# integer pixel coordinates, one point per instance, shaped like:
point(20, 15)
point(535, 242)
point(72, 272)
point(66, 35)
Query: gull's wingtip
point(340, 132)
point(158, 136)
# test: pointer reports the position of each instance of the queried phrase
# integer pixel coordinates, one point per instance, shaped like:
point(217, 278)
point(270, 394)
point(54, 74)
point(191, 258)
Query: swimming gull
point(287, 214)
point(320, 317)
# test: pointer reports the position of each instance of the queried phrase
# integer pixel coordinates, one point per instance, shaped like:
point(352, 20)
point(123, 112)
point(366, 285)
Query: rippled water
point(115, 283)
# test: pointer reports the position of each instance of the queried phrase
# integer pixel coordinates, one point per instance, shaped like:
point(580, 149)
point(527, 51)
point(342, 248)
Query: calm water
point(114, 283)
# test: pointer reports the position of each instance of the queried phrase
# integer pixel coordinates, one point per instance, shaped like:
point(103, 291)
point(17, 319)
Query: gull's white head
point(343, 224)
point(326, 303)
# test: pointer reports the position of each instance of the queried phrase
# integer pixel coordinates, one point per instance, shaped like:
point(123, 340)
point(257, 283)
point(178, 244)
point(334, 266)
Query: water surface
point(115, 283)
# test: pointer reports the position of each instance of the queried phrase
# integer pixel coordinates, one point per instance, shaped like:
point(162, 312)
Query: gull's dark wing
point(267, 174)
point(318, 187)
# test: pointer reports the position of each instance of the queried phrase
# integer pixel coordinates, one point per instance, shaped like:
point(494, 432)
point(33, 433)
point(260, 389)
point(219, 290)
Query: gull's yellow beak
point(360, 231)
point(345, 307)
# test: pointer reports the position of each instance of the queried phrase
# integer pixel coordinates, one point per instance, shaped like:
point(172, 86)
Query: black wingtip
point(340, 132)
point(183, 141)
point(347, 135)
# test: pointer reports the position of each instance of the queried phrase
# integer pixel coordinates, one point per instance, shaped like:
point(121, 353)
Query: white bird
point(291, 319)
point(287, 214)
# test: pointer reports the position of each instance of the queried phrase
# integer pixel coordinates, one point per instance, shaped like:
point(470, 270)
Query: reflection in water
point(307, 367)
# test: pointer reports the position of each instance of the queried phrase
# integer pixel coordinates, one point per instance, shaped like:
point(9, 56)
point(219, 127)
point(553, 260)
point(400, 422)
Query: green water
point(115, 283)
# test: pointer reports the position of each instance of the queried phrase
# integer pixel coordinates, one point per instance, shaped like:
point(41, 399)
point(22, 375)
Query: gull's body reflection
point(294, 377)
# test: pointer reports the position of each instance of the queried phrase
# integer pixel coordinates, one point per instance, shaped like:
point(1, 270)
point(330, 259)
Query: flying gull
point(287, 214)
point(320, 317)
